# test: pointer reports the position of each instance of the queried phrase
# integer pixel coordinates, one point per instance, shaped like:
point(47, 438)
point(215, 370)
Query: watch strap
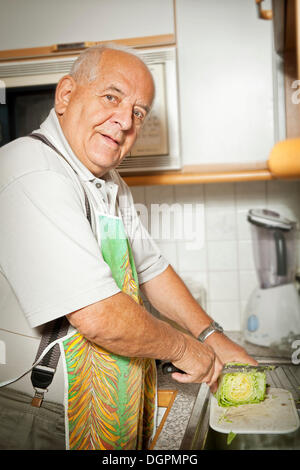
point(214, 326)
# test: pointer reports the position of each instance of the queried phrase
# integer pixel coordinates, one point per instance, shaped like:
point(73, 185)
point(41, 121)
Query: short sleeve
point(48, 252)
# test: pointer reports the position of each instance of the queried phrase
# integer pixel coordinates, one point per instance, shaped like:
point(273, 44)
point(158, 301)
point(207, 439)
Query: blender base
point(272, 316)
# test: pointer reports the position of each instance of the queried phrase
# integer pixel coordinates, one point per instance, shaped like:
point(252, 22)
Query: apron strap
point(44, 139)
point(42, 374)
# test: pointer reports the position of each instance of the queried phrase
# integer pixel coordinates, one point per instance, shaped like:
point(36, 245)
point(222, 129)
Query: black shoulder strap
point(42, 374)
point(44, 139)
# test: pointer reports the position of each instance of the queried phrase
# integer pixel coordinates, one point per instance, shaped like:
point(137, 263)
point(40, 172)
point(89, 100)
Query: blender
point(272, 315)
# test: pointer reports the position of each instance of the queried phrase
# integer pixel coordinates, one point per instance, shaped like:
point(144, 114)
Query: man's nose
point(123, 116)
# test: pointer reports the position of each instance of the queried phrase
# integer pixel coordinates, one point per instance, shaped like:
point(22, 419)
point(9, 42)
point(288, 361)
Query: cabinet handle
point(263, 14)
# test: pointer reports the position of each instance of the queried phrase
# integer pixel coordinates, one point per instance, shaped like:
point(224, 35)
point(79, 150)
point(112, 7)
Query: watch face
point(218, 327)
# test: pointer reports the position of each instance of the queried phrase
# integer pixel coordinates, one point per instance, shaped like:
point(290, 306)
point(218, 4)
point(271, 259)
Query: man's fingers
point(208, 377)
point(182, 378)
point(218, 367)
point(213, 387)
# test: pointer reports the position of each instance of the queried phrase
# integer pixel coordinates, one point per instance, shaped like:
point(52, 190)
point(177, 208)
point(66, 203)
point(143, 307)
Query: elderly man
point(55, 264)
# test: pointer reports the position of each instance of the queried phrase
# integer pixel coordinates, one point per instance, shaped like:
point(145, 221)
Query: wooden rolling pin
point(284, 159)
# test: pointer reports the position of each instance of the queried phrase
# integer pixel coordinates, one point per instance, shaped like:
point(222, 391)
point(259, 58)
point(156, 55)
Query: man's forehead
point(118, 61)
point(125, 74)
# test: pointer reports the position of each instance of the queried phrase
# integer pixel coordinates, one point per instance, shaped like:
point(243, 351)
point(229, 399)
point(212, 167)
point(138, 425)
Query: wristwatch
point(214, 326)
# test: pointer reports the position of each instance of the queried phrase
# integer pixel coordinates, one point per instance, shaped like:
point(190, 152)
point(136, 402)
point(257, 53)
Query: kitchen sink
point(200, 436)
point(218, 441)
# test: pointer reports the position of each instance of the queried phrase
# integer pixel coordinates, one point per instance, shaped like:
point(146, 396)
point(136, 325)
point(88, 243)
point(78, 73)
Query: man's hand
point(203, 362)
point(199, 362)
point(227, 350)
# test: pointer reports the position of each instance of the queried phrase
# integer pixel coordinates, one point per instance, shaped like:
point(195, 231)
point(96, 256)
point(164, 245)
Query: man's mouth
point(111, 139)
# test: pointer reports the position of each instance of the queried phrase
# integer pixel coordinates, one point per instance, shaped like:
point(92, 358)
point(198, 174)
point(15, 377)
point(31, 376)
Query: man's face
point(101, 119)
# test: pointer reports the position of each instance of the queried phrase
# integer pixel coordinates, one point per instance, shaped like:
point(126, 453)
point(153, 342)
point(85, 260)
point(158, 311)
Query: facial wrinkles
point(129, 84)
point(119, 120)
point(109, 126)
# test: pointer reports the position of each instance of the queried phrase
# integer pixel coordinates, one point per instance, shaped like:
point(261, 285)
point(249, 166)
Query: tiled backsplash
point(223, 263)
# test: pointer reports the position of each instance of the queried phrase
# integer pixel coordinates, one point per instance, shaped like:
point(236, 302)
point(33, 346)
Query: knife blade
point(231, 368)
point(169, 368)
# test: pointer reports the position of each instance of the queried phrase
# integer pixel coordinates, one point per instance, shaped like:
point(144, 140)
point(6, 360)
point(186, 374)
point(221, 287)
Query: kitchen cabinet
point(286, 27)
point(35, 23)
point(165, 401)
point(226, 89)
point(196, 175)
point(284, 159)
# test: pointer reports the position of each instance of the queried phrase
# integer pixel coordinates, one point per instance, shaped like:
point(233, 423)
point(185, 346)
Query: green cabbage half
point(241, 388)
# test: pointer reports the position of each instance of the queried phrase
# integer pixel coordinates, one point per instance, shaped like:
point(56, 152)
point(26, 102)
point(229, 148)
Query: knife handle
point(169, 368)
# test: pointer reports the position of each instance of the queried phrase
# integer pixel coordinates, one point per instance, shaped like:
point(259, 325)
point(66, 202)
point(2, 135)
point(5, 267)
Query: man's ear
point(64, 90)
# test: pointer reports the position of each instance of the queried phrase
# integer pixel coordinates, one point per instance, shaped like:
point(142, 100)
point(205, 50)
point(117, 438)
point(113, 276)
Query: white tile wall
point(222, 263)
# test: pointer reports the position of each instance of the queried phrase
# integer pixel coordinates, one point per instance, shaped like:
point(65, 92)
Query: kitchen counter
point(176, 423)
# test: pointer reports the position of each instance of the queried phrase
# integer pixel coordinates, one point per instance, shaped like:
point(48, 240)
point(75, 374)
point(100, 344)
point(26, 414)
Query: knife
point(230, 368)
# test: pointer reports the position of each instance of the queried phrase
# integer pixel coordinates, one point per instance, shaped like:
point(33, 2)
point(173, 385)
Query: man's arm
point(121, 326)
point(169, 295)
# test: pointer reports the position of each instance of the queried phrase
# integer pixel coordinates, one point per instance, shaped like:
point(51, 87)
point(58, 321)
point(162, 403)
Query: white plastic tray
point(277, 414)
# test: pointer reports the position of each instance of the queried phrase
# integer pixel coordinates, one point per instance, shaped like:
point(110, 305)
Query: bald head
point(87, 65)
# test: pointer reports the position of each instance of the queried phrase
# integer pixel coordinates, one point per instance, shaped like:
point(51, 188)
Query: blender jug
point(272, 313)
point(274, 247)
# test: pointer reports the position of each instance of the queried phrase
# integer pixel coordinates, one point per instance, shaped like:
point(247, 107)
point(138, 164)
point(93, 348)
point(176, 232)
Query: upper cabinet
point(284, 160)
point(36, 23)
point(287, 44)
point(226, 84)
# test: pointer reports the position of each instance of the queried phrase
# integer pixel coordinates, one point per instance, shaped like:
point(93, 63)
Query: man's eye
point(111, 98)
point(138, 114)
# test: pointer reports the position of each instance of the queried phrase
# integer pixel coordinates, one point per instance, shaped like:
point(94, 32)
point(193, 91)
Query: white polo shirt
point(50, 259)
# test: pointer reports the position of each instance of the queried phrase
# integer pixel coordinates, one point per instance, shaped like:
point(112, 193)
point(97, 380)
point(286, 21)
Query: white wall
point(34, 23)
point(224, 265)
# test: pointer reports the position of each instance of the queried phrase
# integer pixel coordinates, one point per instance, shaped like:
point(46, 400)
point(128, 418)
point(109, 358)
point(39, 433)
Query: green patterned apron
point(110, 399)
